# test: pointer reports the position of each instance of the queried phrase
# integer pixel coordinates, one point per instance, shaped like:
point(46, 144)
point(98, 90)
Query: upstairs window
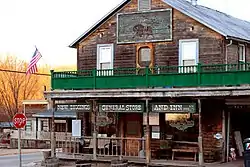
point(145, 56)
point(242, 56)
point(242, 53)
point(188, 54)
point(144, 5)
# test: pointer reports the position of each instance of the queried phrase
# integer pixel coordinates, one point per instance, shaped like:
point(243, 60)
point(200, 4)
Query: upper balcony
point(167, 76)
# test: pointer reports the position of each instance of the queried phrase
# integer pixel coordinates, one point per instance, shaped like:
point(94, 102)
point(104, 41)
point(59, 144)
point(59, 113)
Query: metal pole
point(201, 161)
point(53, 152)
point(148, 155)
point(19, 147)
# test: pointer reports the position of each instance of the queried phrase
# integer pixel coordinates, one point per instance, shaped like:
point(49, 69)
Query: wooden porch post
point(53, 141)
point(224, 136)
point(201, 160)
point(148, 152)
point(95, 110)
point(228, 134)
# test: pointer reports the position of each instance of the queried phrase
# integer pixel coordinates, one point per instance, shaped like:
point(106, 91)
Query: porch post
point(148, 152)
point(228, 133)
point(201, 160)
point(95, 108)
point(224, 136)
point(53, 142)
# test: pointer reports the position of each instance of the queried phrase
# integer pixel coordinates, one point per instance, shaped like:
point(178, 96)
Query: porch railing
point(166, 76)
point(40, 135)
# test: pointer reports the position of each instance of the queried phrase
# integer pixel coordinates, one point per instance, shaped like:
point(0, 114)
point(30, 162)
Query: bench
point(185, 147)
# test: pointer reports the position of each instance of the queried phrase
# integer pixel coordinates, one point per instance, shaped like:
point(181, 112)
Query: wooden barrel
point(119, 163)
point(83, 163)
point(51, 162)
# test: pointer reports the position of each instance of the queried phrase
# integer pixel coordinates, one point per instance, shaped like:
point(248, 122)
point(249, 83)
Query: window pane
point(144, 54)
point(242, 53)
point(189, 50)
point(144, 4)
point(105, 65)
point(190, 62)
point(105, 54)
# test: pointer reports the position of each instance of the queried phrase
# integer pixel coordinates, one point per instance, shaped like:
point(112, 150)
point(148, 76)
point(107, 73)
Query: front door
point(133, 132)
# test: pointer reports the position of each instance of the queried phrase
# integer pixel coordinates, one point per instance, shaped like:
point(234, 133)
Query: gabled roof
point(226, 25)
point(222, 23)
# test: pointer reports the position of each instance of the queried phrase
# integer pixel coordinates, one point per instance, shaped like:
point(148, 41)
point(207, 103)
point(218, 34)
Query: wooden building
point(159, 79)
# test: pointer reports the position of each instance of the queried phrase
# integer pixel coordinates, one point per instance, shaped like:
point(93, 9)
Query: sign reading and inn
point(174, 108)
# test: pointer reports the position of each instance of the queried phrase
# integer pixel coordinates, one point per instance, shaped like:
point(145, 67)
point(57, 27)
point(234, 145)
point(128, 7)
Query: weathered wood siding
point(166, 53)
point(212, 124)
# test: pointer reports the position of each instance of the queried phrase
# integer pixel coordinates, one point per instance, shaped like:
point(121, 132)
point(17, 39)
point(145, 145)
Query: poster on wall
point(76, 128)
point(153, 119)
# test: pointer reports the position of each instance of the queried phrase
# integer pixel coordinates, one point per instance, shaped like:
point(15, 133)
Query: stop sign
point(19, 120)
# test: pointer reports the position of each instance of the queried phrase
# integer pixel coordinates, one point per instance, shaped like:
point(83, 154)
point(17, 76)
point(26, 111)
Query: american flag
point(32, 68)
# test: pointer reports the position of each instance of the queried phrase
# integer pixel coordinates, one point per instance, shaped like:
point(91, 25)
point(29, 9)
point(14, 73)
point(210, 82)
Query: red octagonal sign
point(19, 120)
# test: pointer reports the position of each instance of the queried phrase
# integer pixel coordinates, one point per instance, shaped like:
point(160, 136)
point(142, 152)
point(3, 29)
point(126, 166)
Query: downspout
point(226, 57)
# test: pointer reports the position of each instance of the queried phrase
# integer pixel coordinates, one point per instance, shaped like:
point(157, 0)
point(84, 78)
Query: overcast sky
point(52, 25)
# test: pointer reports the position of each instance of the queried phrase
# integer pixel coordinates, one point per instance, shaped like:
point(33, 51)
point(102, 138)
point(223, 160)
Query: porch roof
point(233, 91)
point(57, 114)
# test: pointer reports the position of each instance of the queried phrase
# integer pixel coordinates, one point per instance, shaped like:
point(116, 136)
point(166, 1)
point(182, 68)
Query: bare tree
point(16, 87)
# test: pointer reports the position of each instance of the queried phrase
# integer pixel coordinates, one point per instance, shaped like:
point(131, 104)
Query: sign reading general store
point(174, 108)
point(75, 107)
point(121, 108)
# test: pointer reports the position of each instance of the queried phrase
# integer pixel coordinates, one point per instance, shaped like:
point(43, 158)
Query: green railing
point(167, 76)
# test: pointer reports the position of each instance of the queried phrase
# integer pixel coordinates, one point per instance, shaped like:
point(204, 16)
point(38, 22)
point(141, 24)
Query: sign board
point(147, 26)
point(247, 146)
point(121, 108)
point(174, 108)
point(76, 128)
point(19, 120)
point(154, 119)
point(75, 107)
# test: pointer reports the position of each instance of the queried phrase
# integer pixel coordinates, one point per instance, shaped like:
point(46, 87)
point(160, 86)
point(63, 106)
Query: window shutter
point(144, 5)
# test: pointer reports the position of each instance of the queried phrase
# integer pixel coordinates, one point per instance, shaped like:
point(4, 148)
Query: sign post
point(19, 121)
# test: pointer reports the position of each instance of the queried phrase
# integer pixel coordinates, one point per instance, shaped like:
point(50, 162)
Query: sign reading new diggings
point(74, 107)
point(150, 26)
point(174, 108)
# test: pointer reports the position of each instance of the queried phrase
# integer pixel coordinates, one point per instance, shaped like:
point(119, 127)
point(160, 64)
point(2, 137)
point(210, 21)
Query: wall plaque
point(148, 26)
point(121, 108)
point(173, 108)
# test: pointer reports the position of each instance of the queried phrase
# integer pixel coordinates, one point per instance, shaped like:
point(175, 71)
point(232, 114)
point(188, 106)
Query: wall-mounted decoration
point(181, 125)
point(148, 26)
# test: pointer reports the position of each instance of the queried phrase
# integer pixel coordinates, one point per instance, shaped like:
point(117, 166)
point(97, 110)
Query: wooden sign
point(74, 107)
point(150, 26)
point(121, 108)
point(173, 108)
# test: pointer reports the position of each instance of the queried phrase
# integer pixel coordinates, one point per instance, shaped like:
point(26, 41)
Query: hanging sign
point(181, 125)
point(75, 107)
point(174, 108)
point(121, 108)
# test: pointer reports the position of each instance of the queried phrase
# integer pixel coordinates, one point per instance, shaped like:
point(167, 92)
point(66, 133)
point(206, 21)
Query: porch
point(163, 77)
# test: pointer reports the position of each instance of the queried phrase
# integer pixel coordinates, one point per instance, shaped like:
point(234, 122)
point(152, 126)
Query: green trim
point(165, 76)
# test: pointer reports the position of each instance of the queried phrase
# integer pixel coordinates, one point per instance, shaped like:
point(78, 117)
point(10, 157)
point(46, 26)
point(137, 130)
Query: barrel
point(83, 163)
point(119, 163)
point(51, 162)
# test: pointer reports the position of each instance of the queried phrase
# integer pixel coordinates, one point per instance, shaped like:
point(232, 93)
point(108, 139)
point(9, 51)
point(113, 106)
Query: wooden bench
point(185, 147)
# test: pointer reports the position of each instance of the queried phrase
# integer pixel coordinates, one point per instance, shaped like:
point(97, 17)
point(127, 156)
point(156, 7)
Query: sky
point(52, 25)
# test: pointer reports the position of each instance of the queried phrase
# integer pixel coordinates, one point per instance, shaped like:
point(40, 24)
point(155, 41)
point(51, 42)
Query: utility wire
point(22, 72)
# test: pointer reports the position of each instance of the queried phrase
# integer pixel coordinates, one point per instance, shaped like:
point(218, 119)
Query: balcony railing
point(167, 76)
